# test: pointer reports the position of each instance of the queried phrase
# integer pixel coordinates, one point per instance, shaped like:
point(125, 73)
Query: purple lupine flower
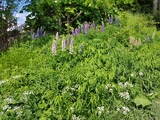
point(73, 33)
point(79, 30)
point(71, 47)
point(44, 34)
point(32, 35)
point(40, 31)
point(69, 39)
point(110, 20)
point(102, 29)
point(86, 27)
point(76, 32)
point(80, 49)
point(93, 25)
point(54, 48)
point(57, 36)
point(147, 38)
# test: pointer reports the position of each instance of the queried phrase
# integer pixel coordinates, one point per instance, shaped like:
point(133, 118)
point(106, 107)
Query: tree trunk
point(159, 5)
point(155, 6)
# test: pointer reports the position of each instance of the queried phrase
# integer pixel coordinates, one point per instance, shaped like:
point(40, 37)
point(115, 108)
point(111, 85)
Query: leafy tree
point(53, 15)
point(7, 8)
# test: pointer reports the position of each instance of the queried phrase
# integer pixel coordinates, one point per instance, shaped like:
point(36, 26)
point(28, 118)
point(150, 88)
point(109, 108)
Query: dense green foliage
point(55, 15)
point(113, 78)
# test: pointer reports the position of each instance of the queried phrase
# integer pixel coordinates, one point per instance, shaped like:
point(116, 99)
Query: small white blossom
point(110, 90)
point(140, 73)
point(27, 92)
point(125, 110)
point(131, 74)
point(118, 109)
point(6, 107)
point(124, 95)
point(16, 107)
point(72, 109)
point(9, 100)
point(100, 110)
point(74, 117)
point(3, 81)
point(17, 76)
point(19, 113)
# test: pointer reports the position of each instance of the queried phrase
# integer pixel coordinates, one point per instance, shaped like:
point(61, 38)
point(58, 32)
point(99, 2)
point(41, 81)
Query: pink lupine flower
point(57, 36)
point(63, 44)
point(71, 47)
point(54, 48)
point(139, 42)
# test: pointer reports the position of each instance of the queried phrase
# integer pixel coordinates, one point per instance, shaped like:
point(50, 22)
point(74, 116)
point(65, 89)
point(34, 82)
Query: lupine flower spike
point(40, 32)
point(71, 47)
point(57, 36)
point(110, 20)
point(86, 27)
point(102, 29)
point(32, 35)
point(63, 44)
point(73, 33)
point(80, 49)
point(54, 48)
point(147, 38)
point(44, 34)
point(93, 25)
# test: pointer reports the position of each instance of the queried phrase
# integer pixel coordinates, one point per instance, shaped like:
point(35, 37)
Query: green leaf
point(141, 99)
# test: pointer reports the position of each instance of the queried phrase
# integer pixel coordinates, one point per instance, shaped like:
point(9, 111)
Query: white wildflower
point(125, 110)
point(120, 84)
point(124, 95)
point(16, 107)
point(110, 90)
point(131, 74)
point(74, 117)
point(72, 109)
point(6, 107)
point(118, 109)
point(3, 81)
point(27, 92)
point(9, 100)
point(100, 110)
point(17, 76)
point(19, 113)
point(140, 73)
